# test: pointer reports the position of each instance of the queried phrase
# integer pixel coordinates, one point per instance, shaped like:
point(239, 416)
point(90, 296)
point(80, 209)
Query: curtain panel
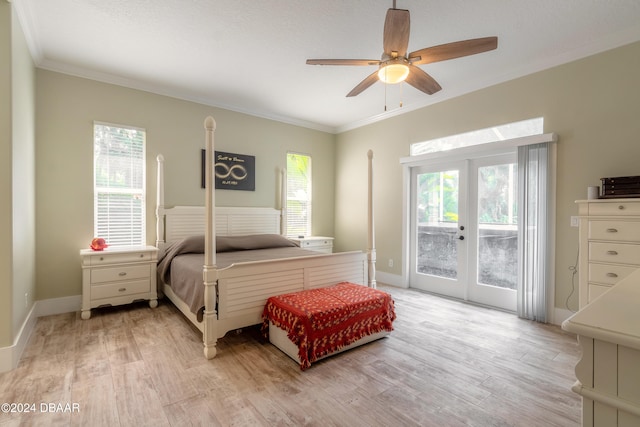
point(534, 230)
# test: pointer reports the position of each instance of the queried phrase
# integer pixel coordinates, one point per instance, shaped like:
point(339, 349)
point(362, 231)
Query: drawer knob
point(621, 207)
point(101, 258)
point(122, 273)
point(122, 289)
point(612, 230)
point(612, 252)
point(612, 275)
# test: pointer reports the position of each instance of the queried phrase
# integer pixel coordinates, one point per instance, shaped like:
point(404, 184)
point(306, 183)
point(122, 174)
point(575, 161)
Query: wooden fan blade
point(371, 79)
point(453, 50)
point(419, 79)
point(396, 32)
point(343, 62)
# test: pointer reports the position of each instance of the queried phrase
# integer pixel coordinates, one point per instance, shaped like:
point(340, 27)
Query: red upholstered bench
point(312, 324)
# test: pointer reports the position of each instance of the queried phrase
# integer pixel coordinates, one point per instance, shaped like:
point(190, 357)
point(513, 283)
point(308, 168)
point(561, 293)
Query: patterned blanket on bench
point(322, 321)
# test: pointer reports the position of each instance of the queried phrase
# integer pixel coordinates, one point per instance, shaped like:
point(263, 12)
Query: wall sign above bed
point(233, 171)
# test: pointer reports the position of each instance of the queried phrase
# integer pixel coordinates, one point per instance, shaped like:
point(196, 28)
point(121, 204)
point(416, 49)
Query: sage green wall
point(592, 104)
point(17, 177)
point(66, 109)
point(6, 229)
point(23, 181)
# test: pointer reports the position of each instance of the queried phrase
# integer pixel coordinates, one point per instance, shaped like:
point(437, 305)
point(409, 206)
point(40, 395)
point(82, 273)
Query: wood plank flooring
point(446, 364)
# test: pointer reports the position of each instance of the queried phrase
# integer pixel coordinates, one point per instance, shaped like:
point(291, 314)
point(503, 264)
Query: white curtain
point(534, 230)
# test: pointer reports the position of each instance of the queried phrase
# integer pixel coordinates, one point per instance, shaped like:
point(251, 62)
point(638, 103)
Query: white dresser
point(118, 276)
point(608, 373)
point(609, 244)
point(315, 243)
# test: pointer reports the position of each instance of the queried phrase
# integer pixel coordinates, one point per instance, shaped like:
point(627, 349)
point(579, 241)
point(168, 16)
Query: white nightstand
point(118, 276)
point(315, 243)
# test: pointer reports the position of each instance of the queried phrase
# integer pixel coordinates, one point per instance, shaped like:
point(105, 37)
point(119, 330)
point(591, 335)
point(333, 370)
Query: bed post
point(160, 236)
point(371, 252)
point(209, 274)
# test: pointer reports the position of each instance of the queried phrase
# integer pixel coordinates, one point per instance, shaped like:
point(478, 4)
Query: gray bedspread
point(181, 265)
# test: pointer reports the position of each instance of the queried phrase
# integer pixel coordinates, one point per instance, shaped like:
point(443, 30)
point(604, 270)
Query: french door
point(463, 229)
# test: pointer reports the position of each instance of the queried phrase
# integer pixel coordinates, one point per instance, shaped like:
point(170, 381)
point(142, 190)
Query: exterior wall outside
point(497, 253)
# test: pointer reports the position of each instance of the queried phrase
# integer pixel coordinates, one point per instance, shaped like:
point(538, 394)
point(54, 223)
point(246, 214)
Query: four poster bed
point(235, 290)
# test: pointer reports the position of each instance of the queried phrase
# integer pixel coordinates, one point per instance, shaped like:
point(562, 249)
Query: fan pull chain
point(385, 89)
point(385, 97)
point(401, 86)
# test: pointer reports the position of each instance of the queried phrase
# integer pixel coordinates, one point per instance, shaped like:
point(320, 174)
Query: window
point(482, 136)
point(298, 195)
point(119, 184)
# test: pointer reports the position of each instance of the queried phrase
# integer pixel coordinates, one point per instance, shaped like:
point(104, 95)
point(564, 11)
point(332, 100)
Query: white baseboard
point(52, 306)
point(10, 356)
point(390, 279)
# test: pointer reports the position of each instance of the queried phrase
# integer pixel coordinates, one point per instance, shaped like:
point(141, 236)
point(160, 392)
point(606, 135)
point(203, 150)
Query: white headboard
point(184, 221)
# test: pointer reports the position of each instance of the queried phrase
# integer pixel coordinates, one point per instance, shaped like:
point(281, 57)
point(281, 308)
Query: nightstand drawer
point(620, 231)
point(115, 257)
point(120, 273)
point(609, 274)
point(315, 243)
point(120, 289)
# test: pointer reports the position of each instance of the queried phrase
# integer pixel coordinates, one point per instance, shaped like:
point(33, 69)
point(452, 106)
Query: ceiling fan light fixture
point(393, 72)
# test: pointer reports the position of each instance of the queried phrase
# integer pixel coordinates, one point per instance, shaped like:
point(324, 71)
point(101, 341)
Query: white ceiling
point(249, 56)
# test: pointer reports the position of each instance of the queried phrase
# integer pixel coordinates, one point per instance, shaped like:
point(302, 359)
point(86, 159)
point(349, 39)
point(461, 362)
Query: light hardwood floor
point(446, 364)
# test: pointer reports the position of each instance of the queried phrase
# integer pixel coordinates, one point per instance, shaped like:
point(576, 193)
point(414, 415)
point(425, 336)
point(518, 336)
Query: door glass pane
point(437, 224)
point(497, 226)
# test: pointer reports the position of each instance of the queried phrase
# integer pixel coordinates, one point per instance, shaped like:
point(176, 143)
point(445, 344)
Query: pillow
point(253, 241)
point(195, 244)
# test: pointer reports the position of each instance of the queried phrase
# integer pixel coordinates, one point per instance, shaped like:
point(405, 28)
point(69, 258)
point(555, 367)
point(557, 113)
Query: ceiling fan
point(396, 65)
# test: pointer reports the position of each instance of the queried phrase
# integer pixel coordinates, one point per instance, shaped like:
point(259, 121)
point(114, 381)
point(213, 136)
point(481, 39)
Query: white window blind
point(119, 184)
point(298, 194)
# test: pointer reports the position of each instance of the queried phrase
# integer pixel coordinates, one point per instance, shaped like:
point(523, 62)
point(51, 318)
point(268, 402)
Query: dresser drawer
point(120, 289)
point(614, 208)
point(120, 273)
point(609, 274)
point(620, 231)
point(618, 253)
point(106, 258)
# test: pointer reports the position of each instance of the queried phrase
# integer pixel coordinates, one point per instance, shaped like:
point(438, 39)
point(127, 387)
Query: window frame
point(294, 222)
point(137, 189)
